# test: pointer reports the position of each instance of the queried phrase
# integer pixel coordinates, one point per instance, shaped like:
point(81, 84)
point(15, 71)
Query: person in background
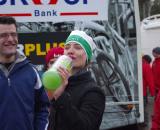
point(23, 101)
point(156, 68)
point(78, 104)
point(50, 58)
point(147, 82)
point(156, 74)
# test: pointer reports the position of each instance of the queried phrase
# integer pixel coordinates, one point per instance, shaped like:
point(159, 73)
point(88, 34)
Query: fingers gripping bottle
point(51, 79)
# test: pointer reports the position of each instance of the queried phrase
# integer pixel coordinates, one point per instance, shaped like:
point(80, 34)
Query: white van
point(150, 34)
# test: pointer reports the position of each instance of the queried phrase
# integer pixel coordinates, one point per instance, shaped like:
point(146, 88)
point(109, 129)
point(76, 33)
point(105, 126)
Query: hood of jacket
point(21, 60)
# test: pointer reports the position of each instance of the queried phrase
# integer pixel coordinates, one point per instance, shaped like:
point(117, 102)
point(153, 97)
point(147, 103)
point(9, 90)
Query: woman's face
point(77, 53)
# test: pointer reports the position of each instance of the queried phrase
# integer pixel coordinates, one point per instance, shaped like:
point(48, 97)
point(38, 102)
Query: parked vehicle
point(150, 29)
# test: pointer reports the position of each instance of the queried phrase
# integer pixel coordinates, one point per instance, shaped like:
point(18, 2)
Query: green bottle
point(51, 78)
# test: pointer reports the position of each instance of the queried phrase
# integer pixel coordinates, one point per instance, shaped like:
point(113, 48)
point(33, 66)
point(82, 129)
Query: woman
point(78, 104)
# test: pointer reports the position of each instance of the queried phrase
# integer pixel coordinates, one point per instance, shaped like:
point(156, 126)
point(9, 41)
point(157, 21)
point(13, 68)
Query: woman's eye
point(66, 47)
point(78, 47)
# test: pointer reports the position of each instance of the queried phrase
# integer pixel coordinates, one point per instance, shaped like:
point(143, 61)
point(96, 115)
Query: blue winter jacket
point(23, 100)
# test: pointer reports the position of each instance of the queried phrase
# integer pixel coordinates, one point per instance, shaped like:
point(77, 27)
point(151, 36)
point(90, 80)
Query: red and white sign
point(57, 10)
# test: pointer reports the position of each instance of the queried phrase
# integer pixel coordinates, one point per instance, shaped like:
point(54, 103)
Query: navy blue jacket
point(23, 100)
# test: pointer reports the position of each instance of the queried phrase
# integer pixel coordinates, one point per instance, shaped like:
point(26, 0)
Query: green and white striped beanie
point(86, 42)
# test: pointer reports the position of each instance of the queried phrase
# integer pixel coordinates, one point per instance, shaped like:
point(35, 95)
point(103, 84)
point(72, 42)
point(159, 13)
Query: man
point(23, 101)
point(156, 74)
point(147, 83)
point(147, 76)
point(156, 68)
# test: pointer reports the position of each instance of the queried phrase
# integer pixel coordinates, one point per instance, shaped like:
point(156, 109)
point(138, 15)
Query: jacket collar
point(80, 77)
point(20, 58)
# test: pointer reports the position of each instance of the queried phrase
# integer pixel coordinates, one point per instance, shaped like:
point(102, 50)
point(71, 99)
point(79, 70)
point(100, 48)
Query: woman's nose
point(70, 50)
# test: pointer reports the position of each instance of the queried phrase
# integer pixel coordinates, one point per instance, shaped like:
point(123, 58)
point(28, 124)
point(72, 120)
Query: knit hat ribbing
point(84, 40)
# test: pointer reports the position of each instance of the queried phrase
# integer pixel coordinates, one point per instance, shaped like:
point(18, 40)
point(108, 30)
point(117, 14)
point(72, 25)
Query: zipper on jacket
point(9, 82)
point(7, 73)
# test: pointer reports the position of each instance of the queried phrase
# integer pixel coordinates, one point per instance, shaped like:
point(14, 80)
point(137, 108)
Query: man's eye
point(13, 34)
point(2, 35)
point(6, 35)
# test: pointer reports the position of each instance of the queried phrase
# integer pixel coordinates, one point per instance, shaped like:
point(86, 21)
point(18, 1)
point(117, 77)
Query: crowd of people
point(151, 80)
point(77, 104)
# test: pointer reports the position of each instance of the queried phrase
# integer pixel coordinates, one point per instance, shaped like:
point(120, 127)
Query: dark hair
point(156, 50)
point(147, 58)
point(7, 20)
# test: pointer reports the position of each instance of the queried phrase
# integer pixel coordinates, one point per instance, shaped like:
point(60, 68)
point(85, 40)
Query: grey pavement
point(140, 126)
point(150, 112)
